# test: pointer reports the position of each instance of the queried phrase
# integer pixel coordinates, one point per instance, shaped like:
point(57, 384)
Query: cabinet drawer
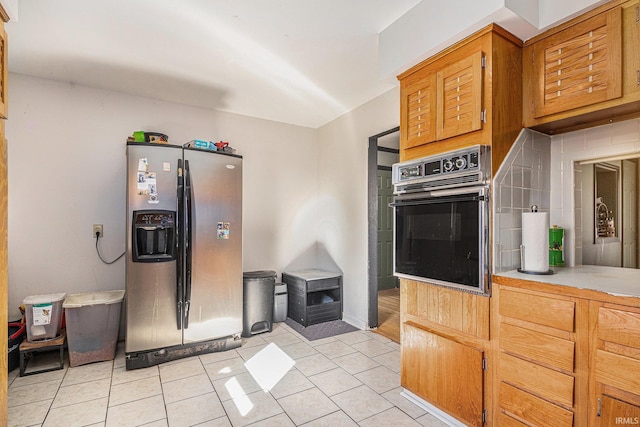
point(620, 327)
point(547, 383)
point(322, 284)
point(310, 285)
point(505, 420)
point(532, 409)
point(537, 309)
point(618, 371)
point(539, 347)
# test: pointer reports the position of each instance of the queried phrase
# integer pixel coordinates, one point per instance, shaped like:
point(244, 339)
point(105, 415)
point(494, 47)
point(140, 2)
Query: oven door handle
point(481, 190)
point(479, 194)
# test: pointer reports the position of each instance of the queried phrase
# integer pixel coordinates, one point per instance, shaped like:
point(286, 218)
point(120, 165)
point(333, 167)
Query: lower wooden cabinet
point(443, 372)
point(565, 357)
point(546, 355)
point(612, 412)
point(615, 365)
point(536, 357)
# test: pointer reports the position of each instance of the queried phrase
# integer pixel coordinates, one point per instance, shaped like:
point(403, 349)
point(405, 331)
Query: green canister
point(556, 236)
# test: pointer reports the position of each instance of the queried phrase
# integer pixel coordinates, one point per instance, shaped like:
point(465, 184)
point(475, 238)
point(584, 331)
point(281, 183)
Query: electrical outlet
point(97, 229)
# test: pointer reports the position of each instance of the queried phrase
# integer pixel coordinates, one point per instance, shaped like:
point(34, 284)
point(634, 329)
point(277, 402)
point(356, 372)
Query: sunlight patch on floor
point(269, 365)
point(240, 398)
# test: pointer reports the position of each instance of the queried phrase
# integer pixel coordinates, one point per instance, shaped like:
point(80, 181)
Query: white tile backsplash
point(541, 170)
point(522, 181)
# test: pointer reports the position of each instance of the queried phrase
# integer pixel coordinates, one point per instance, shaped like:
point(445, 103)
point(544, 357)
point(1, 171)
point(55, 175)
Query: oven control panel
point(455, 163)
point(460, 162)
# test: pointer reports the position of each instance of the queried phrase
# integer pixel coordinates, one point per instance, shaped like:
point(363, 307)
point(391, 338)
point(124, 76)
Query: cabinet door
point(443, 372)
point(615, 363)
point(631, 47)
point(612, 412)
point(579, 66)
point(459, 101)
point(418, 111)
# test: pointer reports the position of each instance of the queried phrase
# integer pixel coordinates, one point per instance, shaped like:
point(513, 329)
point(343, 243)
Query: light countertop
point(612, 280)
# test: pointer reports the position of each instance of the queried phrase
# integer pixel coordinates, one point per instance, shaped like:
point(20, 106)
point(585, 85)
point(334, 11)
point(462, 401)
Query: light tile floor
point(275, 379)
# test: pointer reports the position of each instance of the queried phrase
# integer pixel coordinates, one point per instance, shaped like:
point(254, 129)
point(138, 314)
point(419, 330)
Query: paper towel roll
point(535, 242)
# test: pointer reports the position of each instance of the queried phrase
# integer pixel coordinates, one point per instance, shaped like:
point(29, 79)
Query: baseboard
point(355, 322)
point(436, 412)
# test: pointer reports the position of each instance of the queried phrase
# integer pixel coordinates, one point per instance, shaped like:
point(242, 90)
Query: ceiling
point(302, 62)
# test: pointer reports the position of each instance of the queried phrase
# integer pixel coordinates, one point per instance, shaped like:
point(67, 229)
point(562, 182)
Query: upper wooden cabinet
point(444, 104)
point(418, 111)
point(465, 95)
point(585, 72)
point(578, 66)
point(459, 97)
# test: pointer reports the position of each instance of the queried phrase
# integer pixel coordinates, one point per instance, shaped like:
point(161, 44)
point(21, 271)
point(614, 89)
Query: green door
point(386, 280)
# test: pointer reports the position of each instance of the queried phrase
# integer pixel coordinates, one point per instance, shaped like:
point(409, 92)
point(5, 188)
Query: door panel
point(216, 288)
point(150, 287)
point(629, 214)
point(386, 280)
point(616, 412)
point(443, 372)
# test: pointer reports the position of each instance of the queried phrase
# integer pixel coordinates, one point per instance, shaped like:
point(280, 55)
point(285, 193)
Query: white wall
point(552, 12)
point(431, 26)
point(342, 193)
point(67, 172)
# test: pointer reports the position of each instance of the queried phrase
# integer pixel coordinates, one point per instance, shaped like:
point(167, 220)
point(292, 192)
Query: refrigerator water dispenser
point(154, 236)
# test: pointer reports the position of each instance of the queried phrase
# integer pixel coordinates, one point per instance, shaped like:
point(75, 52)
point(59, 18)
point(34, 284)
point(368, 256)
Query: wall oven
point(441, 219)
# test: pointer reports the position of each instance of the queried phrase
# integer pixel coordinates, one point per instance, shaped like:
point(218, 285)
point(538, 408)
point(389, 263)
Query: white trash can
point(93, 322)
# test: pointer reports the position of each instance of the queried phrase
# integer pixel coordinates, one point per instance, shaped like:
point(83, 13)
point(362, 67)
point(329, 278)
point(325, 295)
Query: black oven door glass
point(439, 240)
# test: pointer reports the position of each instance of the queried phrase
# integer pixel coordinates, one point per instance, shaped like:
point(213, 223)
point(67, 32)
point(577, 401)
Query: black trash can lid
point(261, 274)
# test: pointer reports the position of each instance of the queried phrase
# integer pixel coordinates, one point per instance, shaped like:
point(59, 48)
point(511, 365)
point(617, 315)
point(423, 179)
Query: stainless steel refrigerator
point(184, 253)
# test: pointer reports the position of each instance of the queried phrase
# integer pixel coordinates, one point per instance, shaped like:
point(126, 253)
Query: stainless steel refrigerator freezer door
point(215, 308)
point(151, 286)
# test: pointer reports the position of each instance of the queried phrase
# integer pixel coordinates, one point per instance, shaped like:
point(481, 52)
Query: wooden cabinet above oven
point(467, 94)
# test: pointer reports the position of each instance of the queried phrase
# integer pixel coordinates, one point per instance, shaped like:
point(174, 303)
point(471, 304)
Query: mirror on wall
point(606, 207)
point(609, 211)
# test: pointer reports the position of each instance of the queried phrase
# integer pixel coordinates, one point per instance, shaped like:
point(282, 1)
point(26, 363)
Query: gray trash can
point(257, 313)
point(280, 302)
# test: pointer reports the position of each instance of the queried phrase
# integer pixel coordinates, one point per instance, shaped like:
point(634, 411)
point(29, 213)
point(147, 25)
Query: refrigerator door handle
point(179, 247)
point(188, 242)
